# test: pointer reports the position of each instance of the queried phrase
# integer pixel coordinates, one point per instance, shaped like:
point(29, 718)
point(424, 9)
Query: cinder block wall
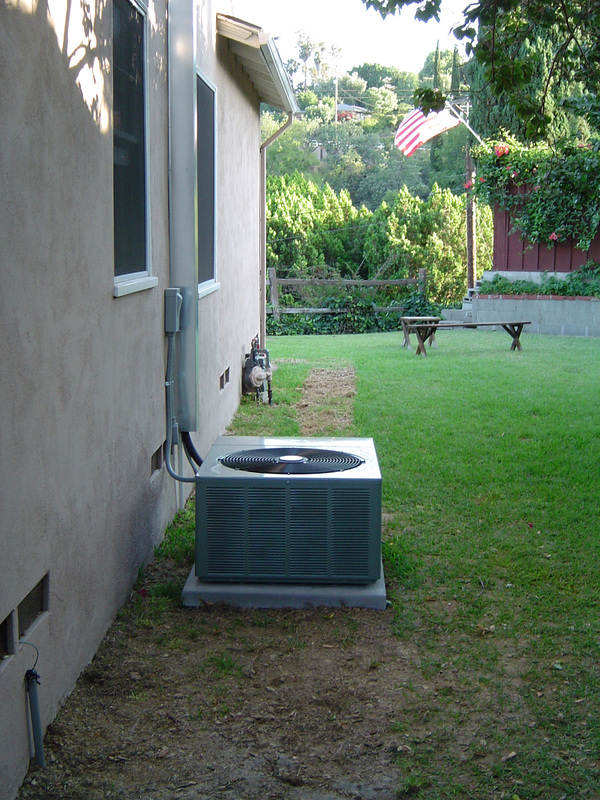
point(561, 316)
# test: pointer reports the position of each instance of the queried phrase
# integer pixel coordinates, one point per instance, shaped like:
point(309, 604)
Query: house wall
point(82, 372)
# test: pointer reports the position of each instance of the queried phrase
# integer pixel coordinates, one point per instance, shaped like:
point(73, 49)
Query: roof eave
point(258, 55)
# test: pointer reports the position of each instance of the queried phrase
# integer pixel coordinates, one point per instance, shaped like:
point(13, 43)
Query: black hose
point(190, 449)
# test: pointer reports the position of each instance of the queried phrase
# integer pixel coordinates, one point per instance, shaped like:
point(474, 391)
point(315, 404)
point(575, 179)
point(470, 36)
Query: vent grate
point(291, 460)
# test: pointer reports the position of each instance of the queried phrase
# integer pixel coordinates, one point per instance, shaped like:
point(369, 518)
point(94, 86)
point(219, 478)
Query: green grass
point(179, 541)
point(491, 475)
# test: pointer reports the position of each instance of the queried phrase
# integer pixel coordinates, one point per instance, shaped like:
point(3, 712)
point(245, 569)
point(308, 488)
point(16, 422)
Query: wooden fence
point(275, 282)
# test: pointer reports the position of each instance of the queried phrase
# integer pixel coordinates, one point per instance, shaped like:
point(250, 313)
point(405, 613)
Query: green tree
point(493, 112)
point(411, 234)
point(494, 31)
point(437, 70)
point(377, 76)
point(317, 61)
point(291, 151)
point(310, 227)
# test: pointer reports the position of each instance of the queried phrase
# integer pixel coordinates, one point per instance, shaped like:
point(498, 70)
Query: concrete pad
point(277, 595)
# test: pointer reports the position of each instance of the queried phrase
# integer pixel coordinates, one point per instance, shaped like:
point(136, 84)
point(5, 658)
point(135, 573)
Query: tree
point(495, 29)
point(310, 227)
point(437, 70)
point(377, 76)
point(317, 61)
point(290, 152)
point(493, 112)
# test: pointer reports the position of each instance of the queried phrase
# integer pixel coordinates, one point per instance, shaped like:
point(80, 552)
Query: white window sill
point(130, 284)
point(208, 288)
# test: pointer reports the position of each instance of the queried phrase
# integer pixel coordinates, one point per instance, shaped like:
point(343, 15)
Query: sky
point(361, 33)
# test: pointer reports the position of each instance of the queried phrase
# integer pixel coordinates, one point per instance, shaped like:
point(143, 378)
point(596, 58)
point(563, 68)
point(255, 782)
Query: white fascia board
point(257, 53)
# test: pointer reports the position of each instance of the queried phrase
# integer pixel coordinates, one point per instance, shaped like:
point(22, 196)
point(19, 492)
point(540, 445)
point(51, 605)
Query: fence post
point(274, 293)
point(422, 280)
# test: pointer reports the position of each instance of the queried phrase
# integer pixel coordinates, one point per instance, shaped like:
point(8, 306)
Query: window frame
point(140, 279)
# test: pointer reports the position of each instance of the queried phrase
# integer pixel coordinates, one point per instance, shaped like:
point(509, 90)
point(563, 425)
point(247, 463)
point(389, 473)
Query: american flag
point(416, 128)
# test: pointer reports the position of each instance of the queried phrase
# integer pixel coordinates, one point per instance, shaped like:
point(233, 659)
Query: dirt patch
point(326, 407)
point(233, 704)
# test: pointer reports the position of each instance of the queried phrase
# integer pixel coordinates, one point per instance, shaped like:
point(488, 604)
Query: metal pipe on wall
point(33, 680)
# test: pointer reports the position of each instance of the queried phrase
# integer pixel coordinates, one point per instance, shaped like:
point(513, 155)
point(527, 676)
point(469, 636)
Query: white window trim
point(135, 282)
point(142, 280)
point(212, 284)
point(208, 287)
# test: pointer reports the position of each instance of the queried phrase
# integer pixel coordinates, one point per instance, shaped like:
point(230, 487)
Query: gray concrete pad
point(277, 595)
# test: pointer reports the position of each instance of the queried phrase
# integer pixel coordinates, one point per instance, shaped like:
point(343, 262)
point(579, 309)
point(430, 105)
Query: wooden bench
point(425, 330)
point(409, 322)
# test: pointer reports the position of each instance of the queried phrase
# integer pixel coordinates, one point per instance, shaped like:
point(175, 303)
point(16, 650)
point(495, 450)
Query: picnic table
point(425, 329)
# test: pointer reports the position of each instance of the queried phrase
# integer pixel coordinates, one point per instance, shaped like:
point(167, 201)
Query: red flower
point(468, 185)
point(501, 150)
point(553, 236)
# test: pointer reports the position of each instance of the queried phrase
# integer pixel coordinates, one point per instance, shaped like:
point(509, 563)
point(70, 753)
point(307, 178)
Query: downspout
point(263, 228)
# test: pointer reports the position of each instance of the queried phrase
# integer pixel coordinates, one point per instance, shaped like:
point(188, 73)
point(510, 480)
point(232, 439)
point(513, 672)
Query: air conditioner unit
point(282, 510)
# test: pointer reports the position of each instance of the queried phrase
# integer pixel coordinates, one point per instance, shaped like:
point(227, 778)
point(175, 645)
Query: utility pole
point(335, 83)
point(470, 179)
point(471, 224)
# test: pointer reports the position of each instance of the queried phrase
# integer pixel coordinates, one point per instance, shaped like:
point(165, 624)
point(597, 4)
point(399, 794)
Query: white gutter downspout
point(263, 228)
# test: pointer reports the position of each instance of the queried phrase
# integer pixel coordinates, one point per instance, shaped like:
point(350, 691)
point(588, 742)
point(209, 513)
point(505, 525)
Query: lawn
point(491, 468)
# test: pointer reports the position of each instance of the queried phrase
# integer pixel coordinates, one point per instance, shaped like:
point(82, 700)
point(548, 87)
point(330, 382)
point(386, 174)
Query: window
point(6, 637)
point(206, 171)
point(129, 141)
point(32, 606)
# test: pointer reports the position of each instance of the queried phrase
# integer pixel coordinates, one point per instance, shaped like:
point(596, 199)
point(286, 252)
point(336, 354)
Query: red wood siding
point(513, 253)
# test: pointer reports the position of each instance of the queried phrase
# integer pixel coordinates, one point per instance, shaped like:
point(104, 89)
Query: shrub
point(585, 282)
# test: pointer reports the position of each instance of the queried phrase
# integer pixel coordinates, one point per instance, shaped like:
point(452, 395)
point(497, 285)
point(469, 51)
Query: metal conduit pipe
point(33, 680)
point(170, 404)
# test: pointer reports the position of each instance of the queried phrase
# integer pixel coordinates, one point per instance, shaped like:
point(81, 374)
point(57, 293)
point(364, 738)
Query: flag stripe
point(416, 129)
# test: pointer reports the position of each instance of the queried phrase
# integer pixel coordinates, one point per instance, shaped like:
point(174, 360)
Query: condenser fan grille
point(291, 460)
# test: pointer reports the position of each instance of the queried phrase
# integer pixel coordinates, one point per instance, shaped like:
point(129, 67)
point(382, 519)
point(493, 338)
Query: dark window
point(32, 606)
point(205, 156)
point(129, 138)
point(6, 639)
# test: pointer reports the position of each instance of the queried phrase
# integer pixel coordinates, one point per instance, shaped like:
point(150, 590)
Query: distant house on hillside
point(131, 161)
point(345, 112)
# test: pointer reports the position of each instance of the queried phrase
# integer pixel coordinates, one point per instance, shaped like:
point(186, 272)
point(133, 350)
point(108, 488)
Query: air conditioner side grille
point(351, 508)
point(267, 533)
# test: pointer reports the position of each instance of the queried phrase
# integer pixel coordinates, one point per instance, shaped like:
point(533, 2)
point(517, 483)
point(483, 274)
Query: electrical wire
point(190, 450)
point(37, 653)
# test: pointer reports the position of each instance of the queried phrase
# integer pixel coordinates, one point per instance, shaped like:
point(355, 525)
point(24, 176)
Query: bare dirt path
point(225, 703)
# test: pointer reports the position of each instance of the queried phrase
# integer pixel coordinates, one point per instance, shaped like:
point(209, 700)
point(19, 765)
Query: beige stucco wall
point(82, 372)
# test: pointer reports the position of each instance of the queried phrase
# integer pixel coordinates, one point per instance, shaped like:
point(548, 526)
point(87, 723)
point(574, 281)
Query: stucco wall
point(82, 372)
